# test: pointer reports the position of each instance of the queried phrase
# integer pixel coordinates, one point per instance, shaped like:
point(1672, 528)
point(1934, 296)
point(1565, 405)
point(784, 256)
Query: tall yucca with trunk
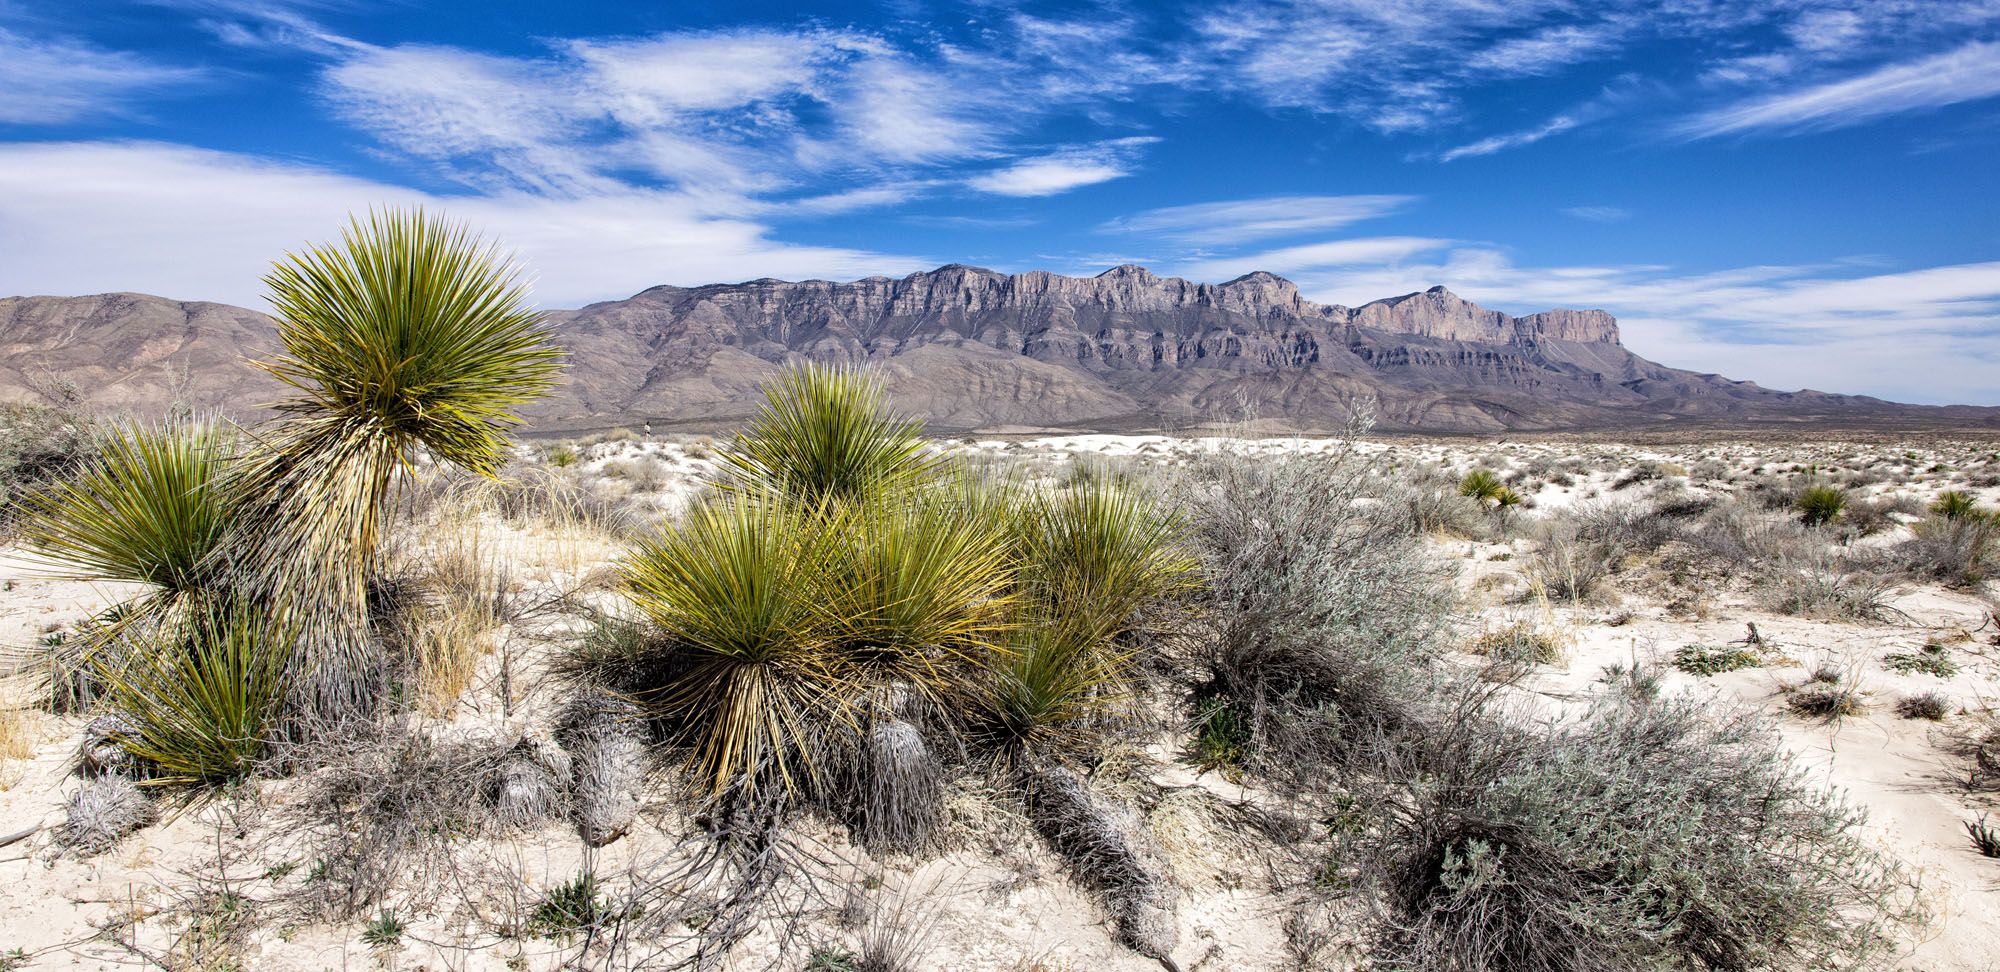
point(825, 433)
point(410, 336)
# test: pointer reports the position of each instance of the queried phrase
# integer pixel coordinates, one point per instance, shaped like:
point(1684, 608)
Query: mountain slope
point(970, 348)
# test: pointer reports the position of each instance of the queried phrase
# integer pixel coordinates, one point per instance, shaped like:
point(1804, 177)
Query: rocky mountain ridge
point(969, 348)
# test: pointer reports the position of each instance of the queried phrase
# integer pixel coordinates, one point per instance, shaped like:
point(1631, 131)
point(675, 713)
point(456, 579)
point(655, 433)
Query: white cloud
point(93, 217)
point(1930, 335)
point(1499, 143)
point(1372, 252)
point(1548, 51)
point(1062, 171)
point(1968, 73)
point(47, 81)
point(1244, 220)
point(1598, 214)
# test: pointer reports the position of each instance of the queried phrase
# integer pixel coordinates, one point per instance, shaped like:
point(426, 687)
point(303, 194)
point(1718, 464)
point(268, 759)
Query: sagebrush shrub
point(1641, 836)
point(1320, 615)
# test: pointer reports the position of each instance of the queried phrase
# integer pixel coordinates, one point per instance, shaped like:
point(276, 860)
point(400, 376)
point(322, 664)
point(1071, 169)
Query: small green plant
point(1714, 659)
point(570, 907)
point(1932, 706)
point(562, 456)
point(830, 958)
point(13, 959)
point(385, 931)
point(1485, 486)
point(1222, 737)
point(1820, 505)
point(1932, 659)
point(1984, 838)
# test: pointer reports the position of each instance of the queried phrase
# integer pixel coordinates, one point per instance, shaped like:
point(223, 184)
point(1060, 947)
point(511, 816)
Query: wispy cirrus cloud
point(1500, 143)
point(1245, 220)
point(1968, 73)
point(51, 80)
point(1598, 214)
point(1062, 171)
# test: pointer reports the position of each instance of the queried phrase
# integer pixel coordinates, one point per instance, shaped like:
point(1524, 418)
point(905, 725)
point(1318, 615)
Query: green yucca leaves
point(415, 332)
point(1484, 485)
point(748, 676)
point(1956, 504)
point(200, 696)
point(1047, 693)
point(912, 584)
point(150, 510)
point(409, 335)
point(824, 432)
point(1821, 505)
point(1099, 553)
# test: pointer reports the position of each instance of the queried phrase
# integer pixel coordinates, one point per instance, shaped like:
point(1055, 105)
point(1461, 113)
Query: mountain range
point(967, 348)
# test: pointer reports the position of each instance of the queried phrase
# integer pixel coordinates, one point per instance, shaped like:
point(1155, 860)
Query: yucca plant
point(1046, 696)
point(150, 510)
point(1483, 485)
point(1956, 504)
point(409, 336)
point(202, 695)
point(913, 586)
point(1099, 553)
point(747, 675)
point(1821, 505)
point(824, 432)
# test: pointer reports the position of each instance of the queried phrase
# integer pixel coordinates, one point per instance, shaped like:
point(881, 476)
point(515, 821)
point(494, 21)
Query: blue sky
point(1800, 192)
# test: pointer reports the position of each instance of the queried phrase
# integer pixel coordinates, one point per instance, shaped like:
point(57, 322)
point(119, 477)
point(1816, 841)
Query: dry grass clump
point(1932, 706)
point(1826, 700)
point(1517, 646)
point(20, 731)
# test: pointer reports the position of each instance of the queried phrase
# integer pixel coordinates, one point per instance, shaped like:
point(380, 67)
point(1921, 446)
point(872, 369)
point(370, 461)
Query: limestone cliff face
point(964, 347)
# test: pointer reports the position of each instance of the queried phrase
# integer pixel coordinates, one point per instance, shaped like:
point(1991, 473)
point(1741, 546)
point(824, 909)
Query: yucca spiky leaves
point(409, 335)
point(201, 695)
point(825, 433)
point(1097, 554)
point(913, 585)
point(149, 511)
point(747, 677)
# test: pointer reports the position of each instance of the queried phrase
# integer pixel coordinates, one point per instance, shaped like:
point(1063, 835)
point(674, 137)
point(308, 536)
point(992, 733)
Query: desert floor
point(997, 900)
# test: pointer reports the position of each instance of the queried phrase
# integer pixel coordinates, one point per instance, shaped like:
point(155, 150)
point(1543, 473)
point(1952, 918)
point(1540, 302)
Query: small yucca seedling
point(1483, 485)
point(1821, 505)
point(385, 931)
point(1955, 504)
point(1984, 838)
